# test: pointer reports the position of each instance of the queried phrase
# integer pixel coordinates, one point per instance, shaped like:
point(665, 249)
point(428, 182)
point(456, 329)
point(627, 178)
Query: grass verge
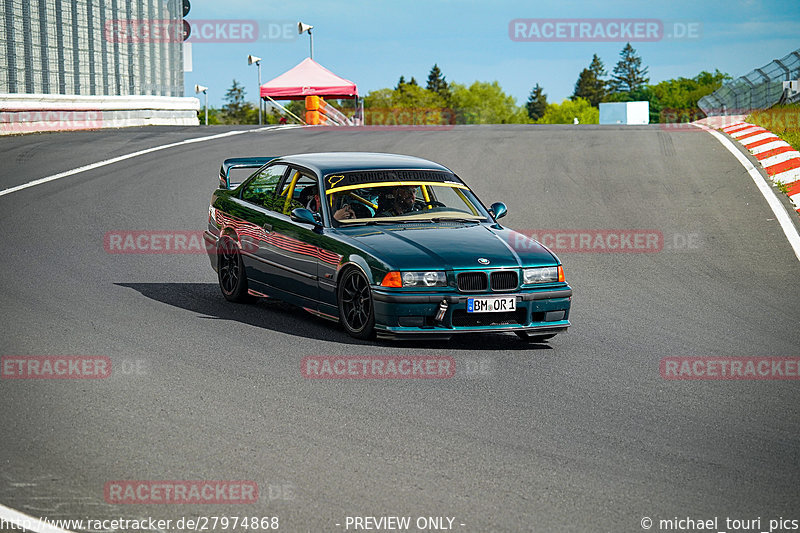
point(783, 121)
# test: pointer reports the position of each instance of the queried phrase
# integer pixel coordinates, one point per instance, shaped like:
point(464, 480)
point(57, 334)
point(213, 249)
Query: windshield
point(400, 201)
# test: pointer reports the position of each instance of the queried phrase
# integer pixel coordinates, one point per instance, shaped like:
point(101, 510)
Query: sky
point(373, 43)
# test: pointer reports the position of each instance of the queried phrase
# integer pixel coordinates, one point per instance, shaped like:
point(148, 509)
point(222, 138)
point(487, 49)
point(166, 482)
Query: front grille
point(472, 281)
point(463, 319)
point(504, 280)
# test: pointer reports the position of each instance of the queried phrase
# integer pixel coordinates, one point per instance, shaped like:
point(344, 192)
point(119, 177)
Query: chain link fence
point(69, 47)
point(760, 89)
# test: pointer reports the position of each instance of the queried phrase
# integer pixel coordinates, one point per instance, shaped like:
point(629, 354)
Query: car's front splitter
point(408, 316)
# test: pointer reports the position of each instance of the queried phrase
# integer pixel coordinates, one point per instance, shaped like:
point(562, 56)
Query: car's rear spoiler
point(239, 162)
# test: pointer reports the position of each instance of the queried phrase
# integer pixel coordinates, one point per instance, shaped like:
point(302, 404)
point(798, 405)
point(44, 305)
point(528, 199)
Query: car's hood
point(427, 246)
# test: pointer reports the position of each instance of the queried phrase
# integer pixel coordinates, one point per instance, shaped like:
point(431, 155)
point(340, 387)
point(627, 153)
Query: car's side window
point(302, 192)
point(262, 189)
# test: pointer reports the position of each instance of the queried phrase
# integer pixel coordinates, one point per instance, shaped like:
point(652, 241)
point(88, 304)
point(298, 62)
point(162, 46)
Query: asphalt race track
point(579, 434)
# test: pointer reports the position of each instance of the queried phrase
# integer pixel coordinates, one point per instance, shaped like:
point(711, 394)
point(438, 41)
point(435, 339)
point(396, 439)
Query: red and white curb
point(781, 162)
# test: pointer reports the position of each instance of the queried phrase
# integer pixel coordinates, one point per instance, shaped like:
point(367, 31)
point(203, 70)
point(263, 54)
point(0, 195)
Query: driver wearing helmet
point(402, 202)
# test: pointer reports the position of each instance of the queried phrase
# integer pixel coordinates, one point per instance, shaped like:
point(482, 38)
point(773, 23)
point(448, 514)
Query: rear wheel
point(532, 337)
point(355, 304)
point(231, 274)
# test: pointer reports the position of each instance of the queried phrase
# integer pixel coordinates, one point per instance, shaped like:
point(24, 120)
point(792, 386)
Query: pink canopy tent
point(308, 78)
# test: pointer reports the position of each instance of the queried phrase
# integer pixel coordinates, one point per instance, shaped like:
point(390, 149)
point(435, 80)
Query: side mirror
point(304, 216)
point(498, 210)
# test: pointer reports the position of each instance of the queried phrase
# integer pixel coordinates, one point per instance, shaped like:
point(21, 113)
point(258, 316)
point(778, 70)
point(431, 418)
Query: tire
point(231, 274)
point(356, 310)
point(530, 337)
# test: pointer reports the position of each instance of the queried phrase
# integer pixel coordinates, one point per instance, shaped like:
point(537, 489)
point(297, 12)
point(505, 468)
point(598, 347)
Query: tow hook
point(442, 310)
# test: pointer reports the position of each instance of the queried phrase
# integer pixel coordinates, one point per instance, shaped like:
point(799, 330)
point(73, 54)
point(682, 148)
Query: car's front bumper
point(412, 315)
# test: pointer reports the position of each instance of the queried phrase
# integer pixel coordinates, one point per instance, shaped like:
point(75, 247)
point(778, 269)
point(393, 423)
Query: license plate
point(491, 305)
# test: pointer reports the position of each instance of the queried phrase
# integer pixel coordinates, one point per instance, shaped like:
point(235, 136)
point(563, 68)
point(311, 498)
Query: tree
point(590, 85)
point(236, 110)
point(485, 103)
point(437, 83)
point(413, 81)
point(567, 111)
point(640, 94)
point(628, 74)
point(683, 93)
point(408, 104)
point(537, 103)
point(400, 83)
point(415, 96)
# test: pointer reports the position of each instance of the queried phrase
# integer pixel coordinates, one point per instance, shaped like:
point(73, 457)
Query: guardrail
point(28, 113)
point(759, 89)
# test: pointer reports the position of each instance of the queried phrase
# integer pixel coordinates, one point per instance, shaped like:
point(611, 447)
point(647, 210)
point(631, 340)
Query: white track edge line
point(769, 195)
point(132, 155)
point(6, 513)
point(36, 525)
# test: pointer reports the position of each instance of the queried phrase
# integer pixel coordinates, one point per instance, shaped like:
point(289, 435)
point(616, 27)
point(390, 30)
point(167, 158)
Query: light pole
point(204, 90)
point(307, 27)
point(257, 60)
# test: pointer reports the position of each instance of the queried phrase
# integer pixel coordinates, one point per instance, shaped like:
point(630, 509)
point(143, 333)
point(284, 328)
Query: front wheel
point(355, 305)
point(532, 337)
point(231, 273)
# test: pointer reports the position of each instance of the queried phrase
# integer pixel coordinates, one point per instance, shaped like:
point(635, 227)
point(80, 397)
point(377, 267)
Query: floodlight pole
point(301, 27)
point(257, 60)
point(260, 100)
point(200, 89)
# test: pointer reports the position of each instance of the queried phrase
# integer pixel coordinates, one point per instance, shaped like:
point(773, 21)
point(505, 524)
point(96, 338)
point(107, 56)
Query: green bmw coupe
point(387, 245)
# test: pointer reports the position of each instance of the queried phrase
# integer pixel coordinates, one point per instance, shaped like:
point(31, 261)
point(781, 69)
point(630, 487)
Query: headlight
point(424, 279)
point(542, 275)
point(415, 279)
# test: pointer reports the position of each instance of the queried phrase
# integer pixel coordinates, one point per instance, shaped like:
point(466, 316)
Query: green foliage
point(407, 96)
point(485, 103)
point(437, 83)
point(640, 94)
point(298, 107)
point(408, 104)
point(380, 98)
point(214, 116)
point(537, 103)
point(678, 97)
point(237, 110)
point(590, 84)
point(628, 74)
point(783, 121)
point(415, 96)
point(568, 110)
point(673, 100)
